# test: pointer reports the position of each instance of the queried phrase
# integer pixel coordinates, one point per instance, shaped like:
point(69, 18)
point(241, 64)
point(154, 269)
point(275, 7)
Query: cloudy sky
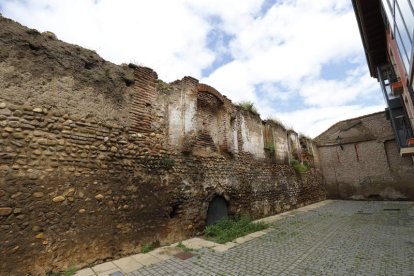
point(300, 61)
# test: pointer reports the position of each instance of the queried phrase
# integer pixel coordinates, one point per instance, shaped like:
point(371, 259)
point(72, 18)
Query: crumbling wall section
point(251, 132)
point(276, 142)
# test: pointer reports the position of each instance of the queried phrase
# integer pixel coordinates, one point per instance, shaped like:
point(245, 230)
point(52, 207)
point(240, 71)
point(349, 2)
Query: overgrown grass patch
point(227, 230)
point(248, 106)
point(298, 167)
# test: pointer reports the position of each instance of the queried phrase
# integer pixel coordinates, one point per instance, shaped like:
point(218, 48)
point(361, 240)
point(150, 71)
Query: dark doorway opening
point(217, 210)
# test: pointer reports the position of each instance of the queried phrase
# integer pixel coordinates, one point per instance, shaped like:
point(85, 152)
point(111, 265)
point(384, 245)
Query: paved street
point(326, 238)
point(340, 238)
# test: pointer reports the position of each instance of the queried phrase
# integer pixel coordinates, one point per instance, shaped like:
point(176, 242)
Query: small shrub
point(248, 106)
point(298, 167)
point(149, 247)
point(226, 230)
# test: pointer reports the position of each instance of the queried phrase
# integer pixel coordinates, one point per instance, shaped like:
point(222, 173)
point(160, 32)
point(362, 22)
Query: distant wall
point(366, 163)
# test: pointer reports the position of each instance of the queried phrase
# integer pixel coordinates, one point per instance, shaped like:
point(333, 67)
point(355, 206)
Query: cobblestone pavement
point(341, 238)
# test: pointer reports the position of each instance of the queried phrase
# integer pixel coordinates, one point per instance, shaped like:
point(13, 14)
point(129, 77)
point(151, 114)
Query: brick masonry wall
point(208, 121)
point(141, 104)
point(367, 165)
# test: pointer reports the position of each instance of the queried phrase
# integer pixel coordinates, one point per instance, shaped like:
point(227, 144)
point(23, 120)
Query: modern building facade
point(387, 32)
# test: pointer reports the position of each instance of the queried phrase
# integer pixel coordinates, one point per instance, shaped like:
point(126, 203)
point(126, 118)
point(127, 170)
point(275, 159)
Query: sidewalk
point(190, 247)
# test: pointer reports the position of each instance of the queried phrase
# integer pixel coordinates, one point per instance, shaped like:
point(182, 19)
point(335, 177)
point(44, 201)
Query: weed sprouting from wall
point(167, 163)
point(270, 148)
point(162, 86)
point(149, 246)
point(298, 167)
point(248, 106)
point(276, 121)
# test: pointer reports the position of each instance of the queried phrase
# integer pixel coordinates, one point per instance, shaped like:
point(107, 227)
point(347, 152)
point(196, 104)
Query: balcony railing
point(400, 125)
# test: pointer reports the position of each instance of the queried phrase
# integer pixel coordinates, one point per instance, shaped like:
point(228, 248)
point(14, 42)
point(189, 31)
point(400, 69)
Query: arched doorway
point(217, 209)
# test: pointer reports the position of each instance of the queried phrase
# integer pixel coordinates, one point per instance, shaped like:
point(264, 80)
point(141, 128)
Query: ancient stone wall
point(364, 162)
point(78, 188)
point(294, 148)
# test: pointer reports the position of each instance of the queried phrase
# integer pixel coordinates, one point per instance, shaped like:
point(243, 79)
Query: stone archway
point(217, 209)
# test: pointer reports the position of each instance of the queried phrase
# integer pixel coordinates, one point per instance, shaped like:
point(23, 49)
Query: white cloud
point(292, 41)
point(321, 92)
point(282, 51)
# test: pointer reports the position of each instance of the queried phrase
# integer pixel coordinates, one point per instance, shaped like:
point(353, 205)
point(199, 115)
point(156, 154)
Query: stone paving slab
point(224, 247)
point(85, 272)
point(166, 252)
point(128, 264)
point(104, 267)
point(197, 243)
point(145, 259)
point(111, 272)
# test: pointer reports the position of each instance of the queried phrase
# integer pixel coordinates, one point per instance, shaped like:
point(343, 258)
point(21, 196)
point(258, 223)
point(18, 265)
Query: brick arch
point(204, 88)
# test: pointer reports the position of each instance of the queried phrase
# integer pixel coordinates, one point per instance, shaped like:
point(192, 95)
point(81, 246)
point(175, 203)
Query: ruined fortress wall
point(367, 164)
point(80, 184)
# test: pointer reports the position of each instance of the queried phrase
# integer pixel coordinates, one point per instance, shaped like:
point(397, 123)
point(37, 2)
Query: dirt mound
point(36, 69)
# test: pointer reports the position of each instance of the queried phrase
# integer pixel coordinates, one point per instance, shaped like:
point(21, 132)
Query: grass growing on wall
point(149, 247)
point(248, 106)
point(167, 163)
point(226, 230)
point(277, 121)
point(162, 86)
point(298, 167)
point(270, 148)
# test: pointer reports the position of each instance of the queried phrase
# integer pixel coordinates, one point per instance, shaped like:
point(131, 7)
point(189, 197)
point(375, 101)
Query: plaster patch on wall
point(252, 140)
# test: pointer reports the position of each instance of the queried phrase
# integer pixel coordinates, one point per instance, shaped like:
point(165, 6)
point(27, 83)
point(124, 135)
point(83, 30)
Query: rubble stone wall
point(78, 188)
